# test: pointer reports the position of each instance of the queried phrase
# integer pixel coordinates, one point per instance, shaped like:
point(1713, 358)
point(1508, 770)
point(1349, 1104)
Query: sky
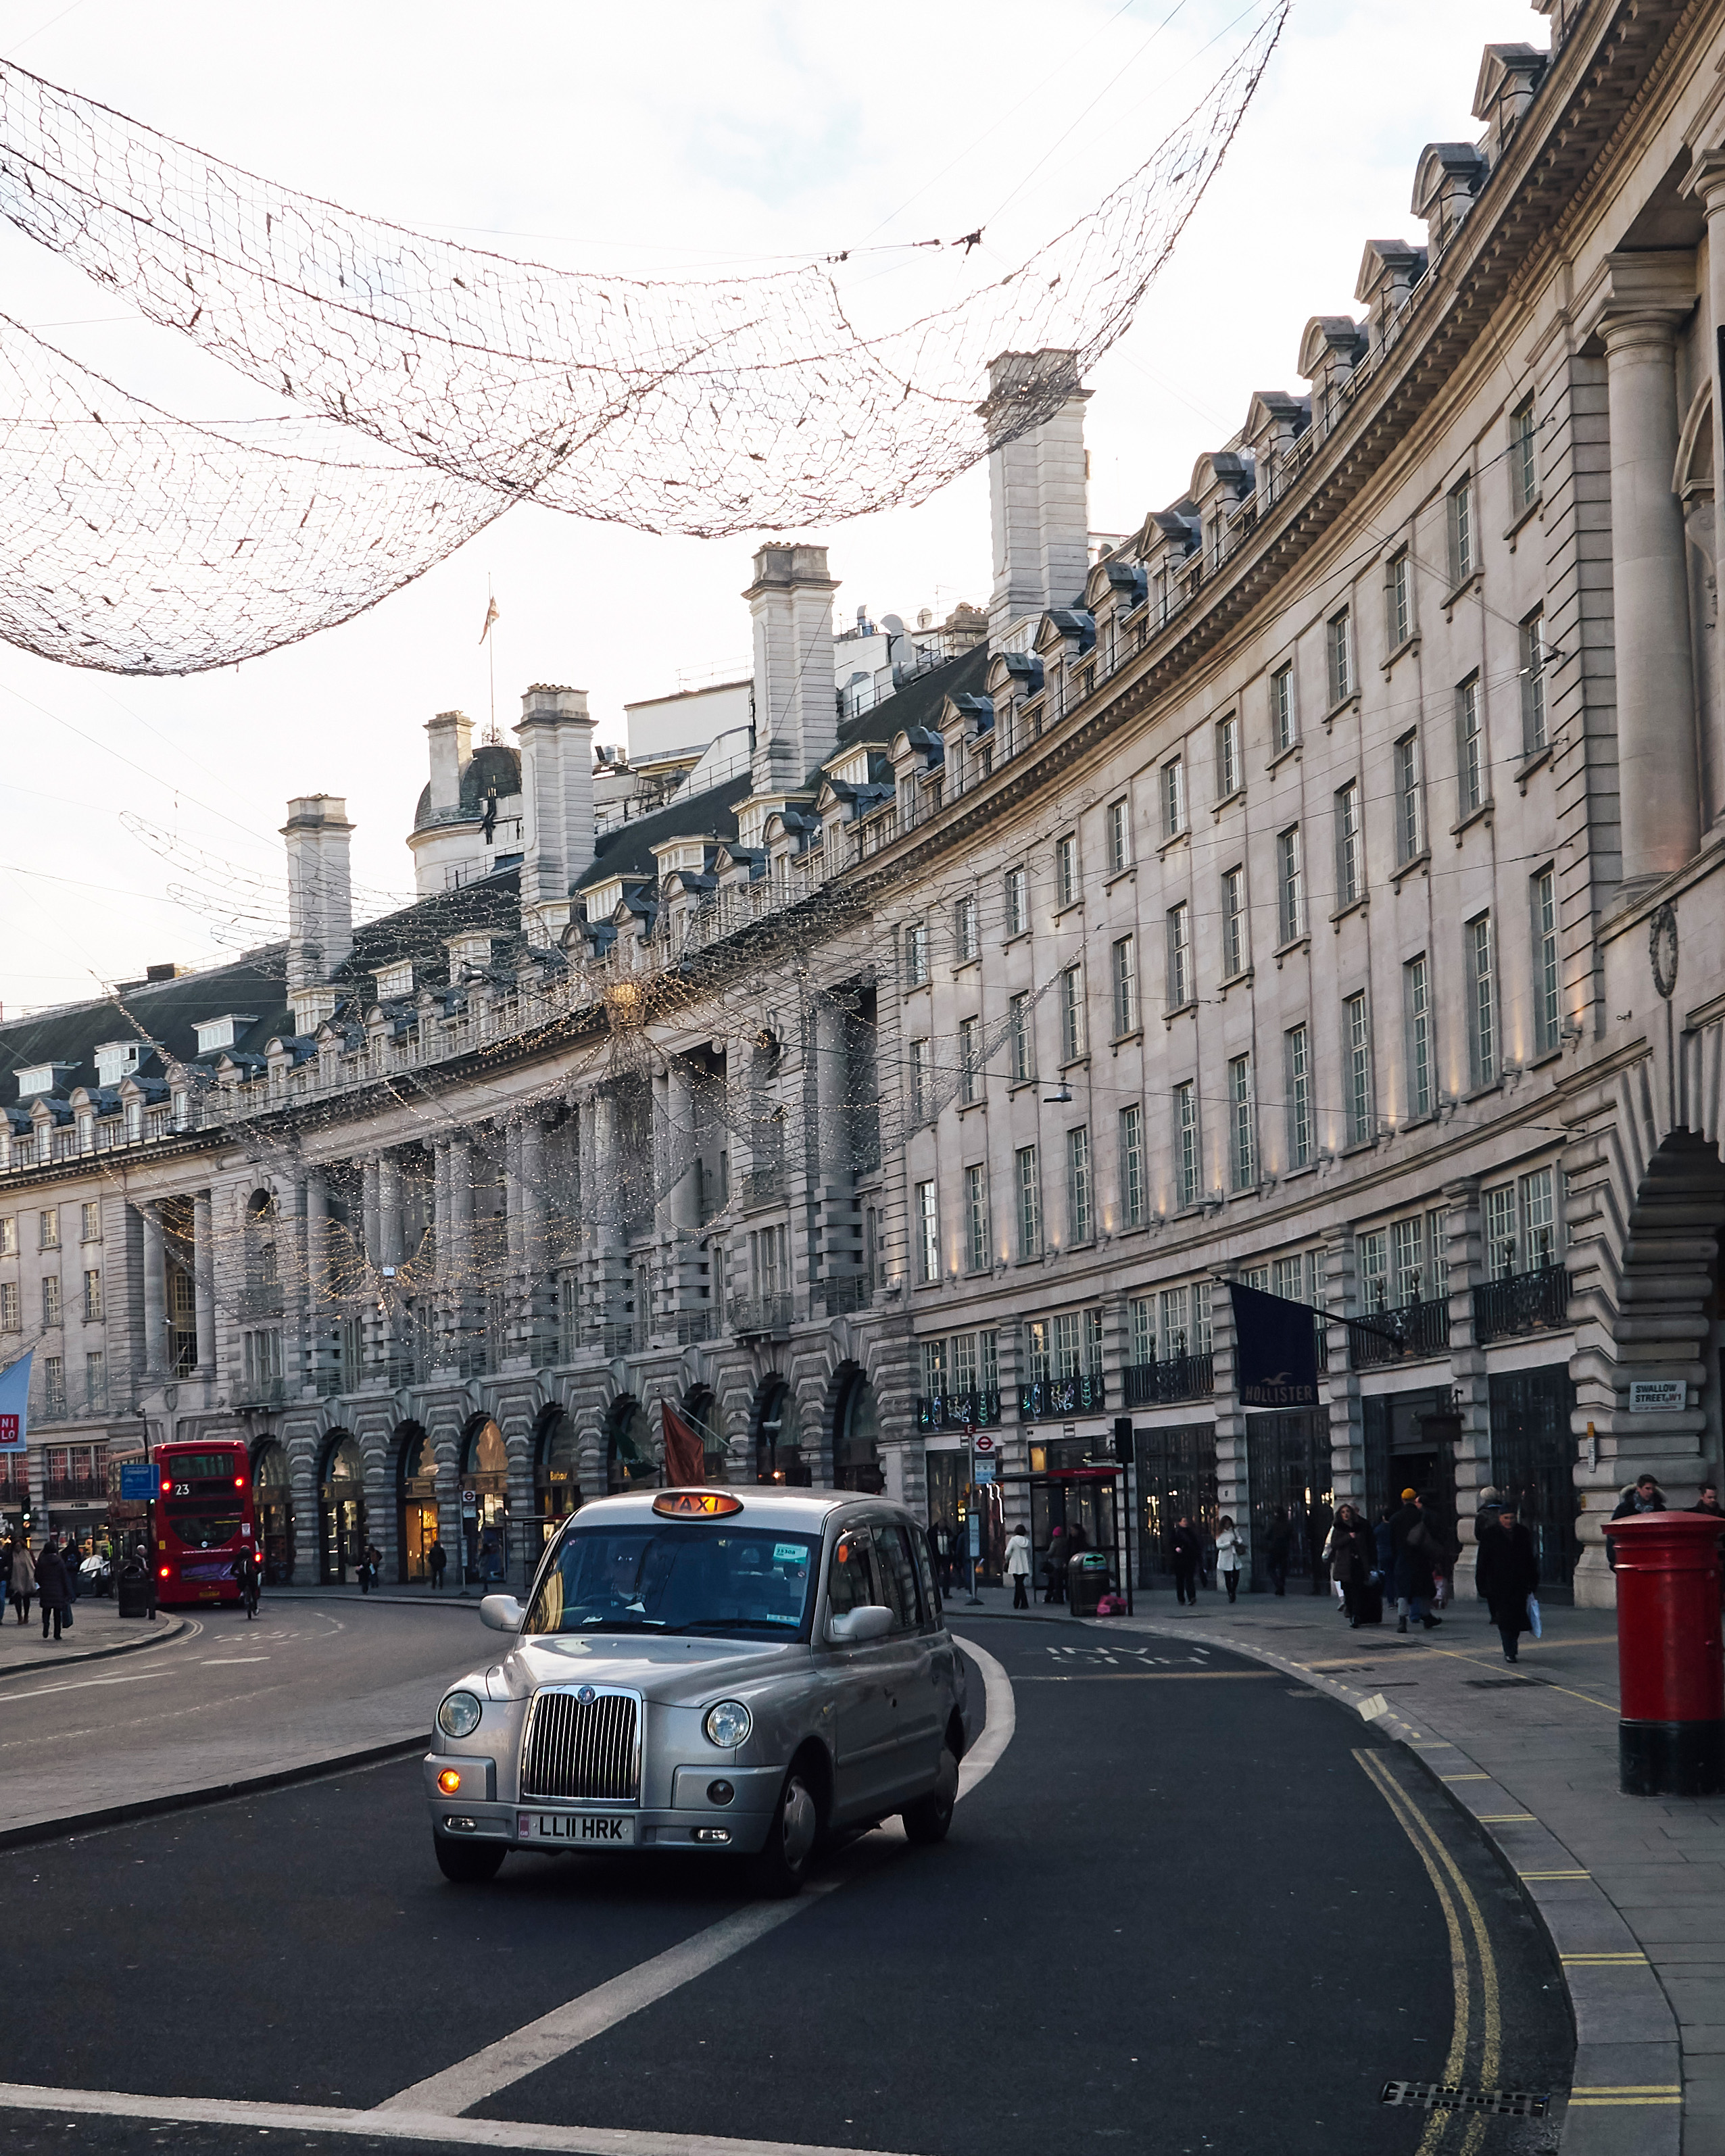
point(140, 817)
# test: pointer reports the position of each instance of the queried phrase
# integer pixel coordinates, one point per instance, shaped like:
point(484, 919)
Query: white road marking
point(391, 2125)
point(1002, 1718)
point(231, 1661)
point(80, 1684)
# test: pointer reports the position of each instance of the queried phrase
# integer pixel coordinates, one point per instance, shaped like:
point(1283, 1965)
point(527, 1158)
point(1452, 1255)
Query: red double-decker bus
point(204, 1518)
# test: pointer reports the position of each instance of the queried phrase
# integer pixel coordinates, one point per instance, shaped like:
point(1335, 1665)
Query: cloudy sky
point(685, 140)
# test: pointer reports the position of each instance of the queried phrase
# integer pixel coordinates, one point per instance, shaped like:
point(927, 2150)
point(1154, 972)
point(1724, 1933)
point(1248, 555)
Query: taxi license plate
point(580, 1829)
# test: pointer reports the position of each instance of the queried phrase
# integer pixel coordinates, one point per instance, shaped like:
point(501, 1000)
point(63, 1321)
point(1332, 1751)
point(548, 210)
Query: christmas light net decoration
point(705, 408)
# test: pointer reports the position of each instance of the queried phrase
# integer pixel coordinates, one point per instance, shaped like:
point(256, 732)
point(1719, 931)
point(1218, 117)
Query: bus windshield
point(677, 1576)
point(204, 1526)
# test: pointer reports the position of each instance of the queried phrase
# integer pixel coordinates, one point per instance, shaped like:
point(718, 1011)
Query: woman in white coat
point(1231, 1555)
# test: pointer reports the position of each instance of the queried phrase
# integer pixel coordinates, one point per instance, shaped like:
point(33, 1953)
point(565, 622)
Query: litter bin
point(136, 1593)
point(1087, 1582)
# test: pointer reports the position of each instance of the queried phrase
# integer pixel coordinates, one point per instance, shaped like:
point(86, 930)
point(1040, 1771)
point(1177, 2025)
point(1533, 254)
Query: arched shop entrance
point(272, 1497)
point(416, 1495)
point(557, 1482)
point(341, 1511)
point(485, 1505)
point(700, 1411)
point(778, 1437)
point(629, 1447)
point(856, 1438)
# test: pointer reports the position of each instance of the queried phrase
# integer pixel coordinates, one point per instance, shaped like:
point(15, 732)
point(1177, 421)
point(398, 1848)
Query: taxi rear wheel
point(468, 1863)
point(779, 1871)
point(928, 1820)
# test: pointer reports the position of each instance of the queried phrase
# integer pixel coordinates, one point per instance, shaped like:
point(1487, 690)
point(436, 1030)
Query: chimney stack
point(451, 745)
point(555, 738)
point(796, 705)
point(320, 887)
point(1038, 493)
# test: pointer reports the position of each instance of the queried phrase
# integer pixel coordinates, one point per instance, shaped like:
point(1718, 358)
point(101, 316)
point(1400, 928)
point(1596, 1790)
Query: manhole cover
point(1445, 2096)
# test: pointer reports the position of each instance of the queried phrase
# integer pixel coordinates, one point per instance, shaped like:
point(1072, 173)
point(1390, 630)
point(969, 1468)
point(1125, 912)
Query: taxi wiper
point(738, 1625)
point(623, 1625)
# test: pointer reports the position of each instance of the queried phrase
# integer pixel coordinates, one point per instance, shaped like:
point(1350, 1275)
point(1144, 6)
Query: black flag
point(1275, 1350)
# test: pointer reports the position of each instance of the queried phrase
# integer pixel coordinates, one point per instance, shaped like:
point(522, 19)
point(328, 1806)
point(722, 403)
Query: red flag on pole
point(685, 1454)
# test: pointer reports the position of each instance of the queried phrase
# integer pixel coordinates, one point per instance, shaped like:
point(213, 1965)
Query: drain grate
point(1501, 1684)
point(1444, 2095)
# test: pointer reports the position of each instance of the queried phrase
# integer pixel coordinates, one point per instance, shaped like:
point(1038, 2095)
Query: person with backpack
point(1415, 1547)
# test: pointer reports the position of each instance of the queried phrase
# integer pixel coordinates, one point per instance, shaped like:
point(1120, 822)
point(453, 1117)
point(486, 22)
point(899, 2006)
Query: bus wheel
point(468, 1863)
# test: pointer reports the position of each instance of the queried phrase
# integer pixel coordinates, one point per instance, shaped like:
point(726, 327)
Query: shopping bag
point(1533, 1617)
point(1336, 1590)
point(1441, 1592)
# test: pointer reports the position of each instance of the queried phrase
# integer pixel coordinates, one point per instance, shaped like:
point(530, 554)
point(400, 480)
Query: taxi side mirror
point(850, 1629)
point(502, 1612)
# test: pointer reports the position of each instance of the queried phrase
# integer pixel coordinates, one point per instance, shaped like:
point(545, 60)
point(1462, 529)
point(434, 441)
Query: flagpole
point(491, 650)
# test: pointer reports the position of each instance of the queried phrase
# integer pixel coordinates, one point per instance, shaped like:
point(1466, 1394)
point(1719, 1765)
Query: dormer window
point(396, 980)
point(115, 1059)
point(217, 1033)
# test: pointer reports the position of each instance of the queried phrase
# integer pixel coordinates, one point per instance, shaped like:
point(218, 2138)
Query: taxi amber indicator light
point(696, 1504)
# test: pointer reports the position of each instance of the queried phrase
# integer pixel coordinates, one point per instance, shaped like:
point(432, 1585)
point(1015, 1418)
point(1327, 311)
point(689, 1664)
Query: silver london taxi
point(707, 1669)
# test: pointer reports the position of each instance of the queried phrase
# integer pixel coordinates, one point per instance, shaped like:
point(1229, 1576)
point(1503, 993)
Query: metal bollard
point(1671, 1664)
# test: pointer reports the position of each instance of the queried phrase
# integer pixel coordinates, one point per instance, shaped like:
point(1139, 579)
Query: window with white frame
point(1338, 643)
point(1523, 456)
point(1066, 870)
point(1482, 1002)
point(1021, 1029)
point(1072, 1042)
point(95, 1381)
point(1028, 1176)
point(1126, 985)
point(1236, 951)
point(1298, 1278)
point(1120, 835)
point(1350, 846)
point(976, 1218)
point(928, 1238)
point(1371, 1252)
point(91, 1228)
point(1499, 1206)
point(916, 942)
point(1469, 746)
point(1297, 1059)
point(8, 1236)
point(1547, 988)
point(970, 1060)
point(1463, 547)
point(1534, 735)
point(1290, 884)
point(1521, 1224)
point(1284, 724)
point(50, 1301)
point(934, 1369)
point(1179, 955)
point(47, 1229)
point(1142, 1314)
point(1018, 902)
point(1357, 1065)
point(1187, 1182)
point(1036, 1349)
point(1080, 1210)
point(1242, 1124)
point(921, 1092)
point(1416, 1015)
point(11, 1320)
point(1174, 798)
point(1132, 1166)
point(92, 1298)
point(1398, 589)
point(1228, 781)
point(967, 939)
point(1409, 818)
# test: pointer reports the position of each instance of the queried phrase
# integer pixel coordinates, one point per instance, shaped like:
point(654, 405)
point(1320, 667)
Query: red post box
point(1671, 1666)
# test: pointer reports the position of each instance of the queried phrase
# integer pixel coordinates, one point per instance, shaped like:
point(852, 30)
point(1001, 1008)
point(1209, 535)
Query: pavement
point(97, 1632)
point(1190, 1905)
point(1631, 1890)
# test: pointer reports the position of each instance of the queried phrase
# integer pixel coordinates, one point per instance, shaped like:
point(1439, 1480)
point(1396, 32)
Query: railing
point(74, 1489)
point(261, 1299)
point(1044, 1398)
point(977, 1410)
point(693, 1326)
point(760, 1313)
point(612, 1339)
point(1181, 1378)
point(840, 1293)
point(261, 1392)
point(764, 1186)
point(1406, 1334)
point(1522, 1302)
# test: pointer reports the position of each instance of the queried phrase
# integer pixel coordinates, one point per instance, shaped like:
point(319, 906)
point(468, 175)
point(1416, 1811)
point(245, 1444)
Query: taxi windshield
point(665, 1576)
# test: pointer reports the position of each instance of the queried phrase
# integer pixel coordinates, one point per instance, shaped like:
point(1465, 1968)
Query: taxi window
point(925, 1570)
point(898, 1577)
point(850, 1578)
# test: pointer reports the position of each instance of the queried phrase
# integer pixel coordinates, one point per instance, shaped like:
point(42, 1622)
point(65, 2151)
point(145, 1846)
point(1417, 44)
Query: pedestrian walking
point(1185, 1553)
point(53, 1587)
point(1054, 1567)
point(1018, 1565)
point(941, 1535)
point(1350, 1553)
point(1508, 1573)
point(1415, 1547)
point(437, 1559)
point(1384, 1550)
point(1231, 1555)
point(1278, 1547)
point(23, 1578)
point(1643, 1495)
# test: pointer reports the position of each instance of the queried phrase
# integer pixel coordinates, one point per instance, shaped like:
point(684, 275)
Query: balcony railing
point(75, 1489)
point(978, 1410)
point(1407, 1335)
point(613, 1339)
point(764, 1186)
point(843, 1292)
point(1045, 1397)
point(693, 1326)
point(1522, 1302)
point(261, 1392)
point(1181, 1378)
point(760, 1313)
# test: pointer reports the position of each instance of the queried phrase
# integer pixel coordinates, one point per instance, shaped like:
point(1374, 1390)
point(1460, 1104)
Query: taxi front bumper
point(472, 1811)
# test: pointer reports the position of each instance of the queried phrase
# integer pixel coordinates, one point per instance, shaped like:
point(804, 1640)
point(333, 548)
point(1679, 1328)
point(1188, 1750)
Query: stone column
point(1706, 184)
point(458, 1267)
point(155, 1290)
point(317, 1277)
point(1649, 296)
point(369, 1210)
point(1233, 1488)
point(1461, 1265)
point(389, 1210)
point(536, 1288)
point(293, 1276)
point(203, 1281)
point(1347, 1442)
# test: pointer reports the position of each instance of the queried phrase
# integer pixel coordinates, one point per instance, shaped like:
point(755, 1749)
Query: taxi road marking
point(83, 1684)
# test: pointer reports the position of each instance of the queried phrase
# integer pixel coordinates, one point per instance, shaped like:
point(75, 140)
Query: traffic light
point(1123, 1440)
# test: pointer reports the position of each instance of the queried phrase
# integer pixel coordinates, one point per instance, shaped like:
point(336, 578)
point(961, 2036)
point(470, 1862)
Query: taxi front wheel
point(468, 1863)
point(928, 1818)
point(779, 1871)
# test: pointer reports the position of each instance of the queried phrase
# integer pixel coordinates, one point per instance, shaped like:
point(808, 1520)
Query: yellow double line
point(1441, 1866)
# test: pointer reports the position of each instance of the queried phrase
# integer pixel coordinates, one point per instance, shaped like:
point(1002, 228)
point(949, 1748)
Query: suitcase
point(1371, 1605)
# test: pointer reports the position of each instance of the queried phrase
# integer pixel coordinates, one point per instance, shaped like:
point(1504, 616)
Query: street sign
point(976, 1535)
point(1657, 1395)
point(985, 1465)
point(984, 1442)
point(138, 1481)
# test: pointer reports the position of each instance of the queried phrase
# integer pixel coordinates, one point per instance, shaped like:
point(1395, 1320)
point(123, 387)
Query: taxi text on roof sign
point(697, 1504)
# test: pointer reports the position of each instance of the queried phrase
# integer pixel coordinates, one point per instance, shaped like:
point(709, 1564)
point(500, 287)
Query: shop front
point(556, 1478)
point(273, 1500)
point(778, 1438)
point(341, 1512)
point(1533, 1463)
point(955, 1495)
point(856, 1439)
point(416, 1499)
point(1176, 1469)
point(629, 1464)
point(1410, 1443)
point(485, 1506)
point(1291, 1488)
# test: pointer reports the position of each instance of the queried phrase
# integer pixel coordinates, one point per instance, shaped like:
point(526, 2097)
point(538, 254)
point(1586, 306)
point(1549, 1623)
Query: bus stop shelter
point(1094, 1496)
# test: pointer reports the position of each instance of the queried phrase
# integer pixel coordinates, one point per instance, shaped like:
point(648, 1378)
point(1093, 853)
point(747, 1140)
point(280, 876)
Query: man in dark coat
point(1508, 1573)
point(1277, 1548)
point(1643, 1495)
point(54, 1586)
point(1415, 1545)
point(1185, 1553)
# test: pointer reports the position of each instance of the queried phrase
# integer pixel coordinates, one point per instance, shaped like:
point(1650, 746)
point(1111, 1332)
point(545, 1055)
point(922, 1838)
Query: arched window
point(557, 1480)
point(341, 1511)
point(856, 1438)
point(273, 1497)
point(779, 1439)
point(484, 1504)
point(629, 1447)
point(417, 1497)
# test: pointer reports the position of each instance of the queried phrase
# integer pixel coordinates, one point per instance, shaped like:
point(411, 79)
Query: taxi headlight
point(460, 1714)
point(728, 1724)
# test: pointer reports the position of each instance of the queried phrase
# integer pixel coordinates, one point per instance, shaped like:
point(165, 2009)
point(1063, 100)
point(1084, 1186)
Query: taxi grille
point(582, 1748)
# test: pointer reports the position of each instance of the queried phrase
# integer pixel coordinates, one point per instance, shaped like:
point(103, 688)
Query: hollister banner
point(1275, 1350)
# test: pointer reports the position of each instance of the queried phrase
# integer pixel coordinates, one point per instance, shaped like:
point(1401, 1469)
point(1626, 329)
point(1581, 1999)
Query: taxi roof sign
point(696, 1504)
